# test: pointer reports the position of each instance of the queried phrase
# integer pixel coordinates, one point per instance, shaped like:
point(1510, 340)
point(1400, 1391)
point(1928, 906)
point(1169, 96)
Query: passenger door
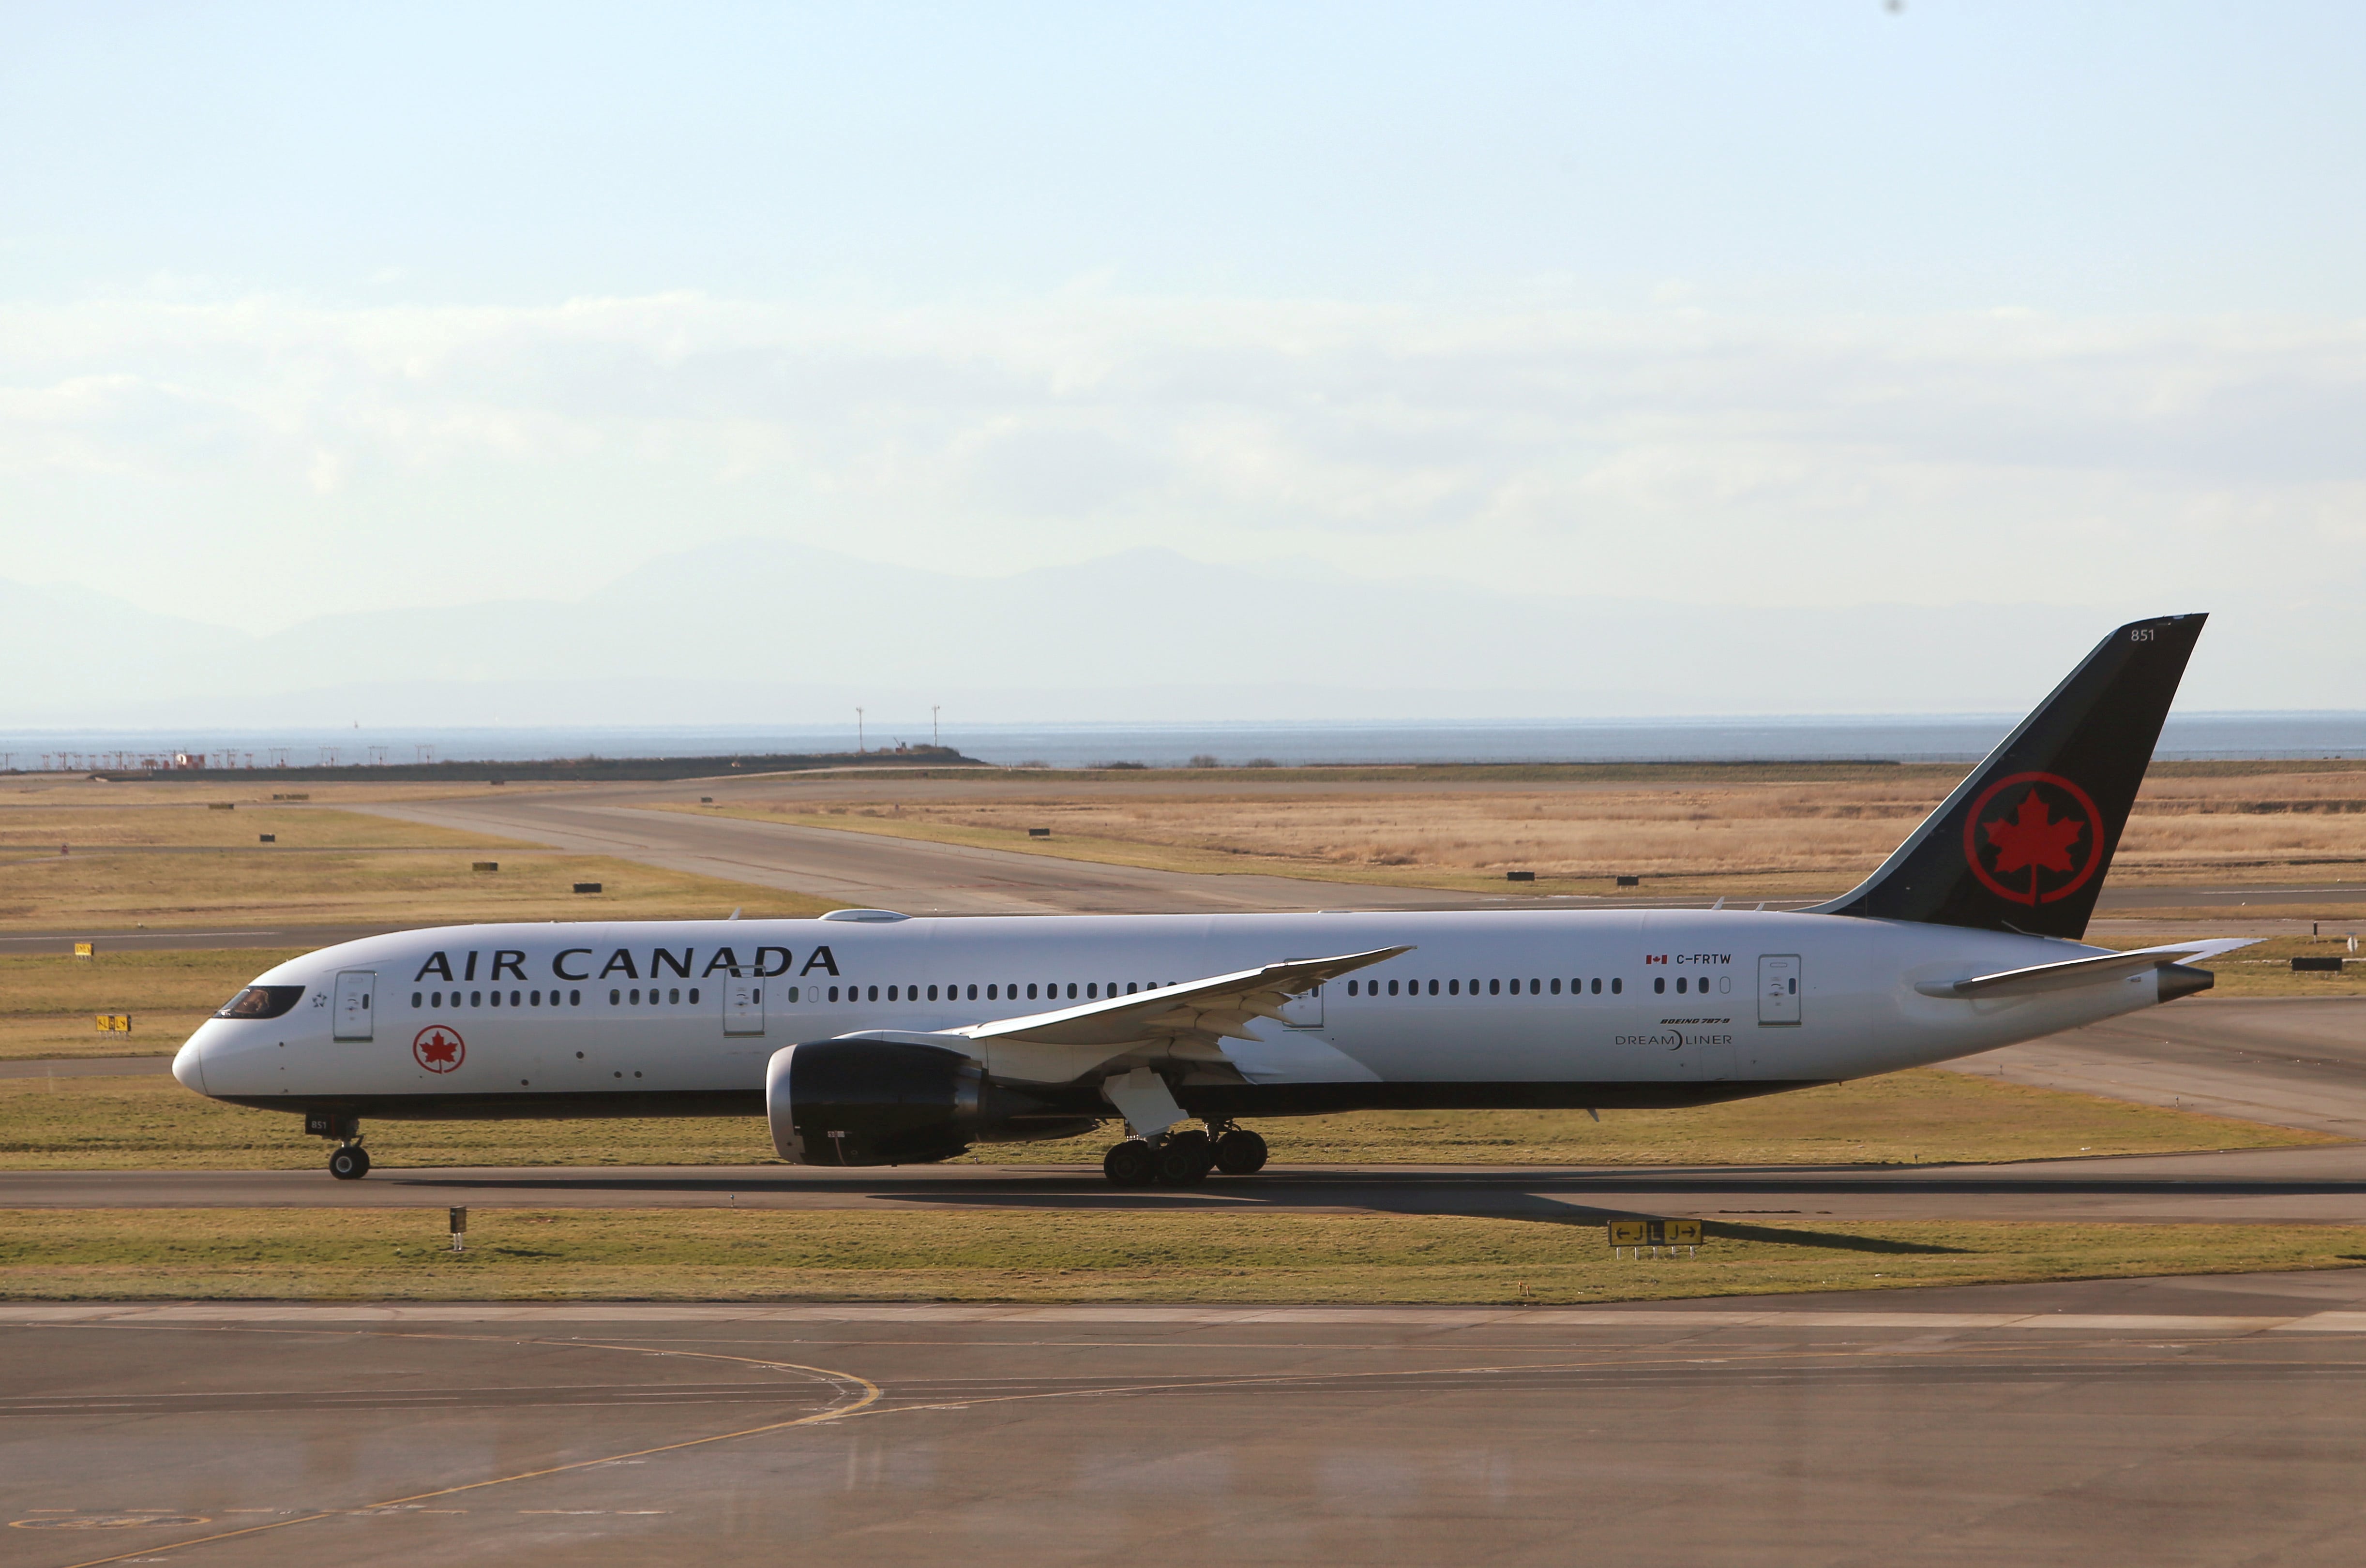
point(743, 1006)
point(1778, 988)
point(354, 990)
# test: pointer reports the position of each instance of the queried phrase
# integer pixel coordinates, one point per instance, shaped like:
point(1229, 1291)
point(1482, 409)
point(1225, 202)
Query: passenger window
point(973, 992)
point(574, 998)
point(1072, 990)
point(993, 993)
point(414, 999)
point(1494, 988)
point(833, 994)
point(673, 994)
point(1556, 988)
point(1660, 986)
point(693, 994)
point(1030, 994)
point(1392, 988)
point(1093, 992)
point(1616, 985)
point(875, 993)
point(1128, 987)
point(1454, 988)
point(1534, 986)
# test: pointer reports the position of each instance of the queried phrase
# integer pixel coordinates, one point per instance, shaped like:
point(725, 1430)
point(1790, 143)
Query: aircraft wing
point(2070, 972)
point(1061, 1046)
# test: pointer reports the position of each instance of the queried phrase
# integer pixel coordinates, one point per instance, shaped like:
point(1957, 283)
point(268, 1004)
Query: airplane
point(868, 1038)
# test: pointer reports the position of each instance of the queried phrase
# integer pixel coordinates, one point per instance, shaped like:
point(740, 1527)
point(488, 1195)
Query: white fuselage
point(1676, 1004)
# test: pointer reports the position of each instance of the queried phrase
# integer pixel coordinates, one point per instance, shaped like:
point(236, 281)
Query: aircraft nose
point(189, 1065)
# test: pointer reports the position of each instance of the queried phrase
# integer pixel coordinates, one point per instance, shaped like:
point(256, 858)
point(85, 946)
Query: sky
point(311, 309)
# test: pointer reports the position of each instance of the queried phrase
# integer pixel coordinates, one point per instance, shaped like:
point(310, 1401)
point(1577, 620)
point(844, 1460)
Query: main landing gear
point(1184, 1159)
point(349, 1162)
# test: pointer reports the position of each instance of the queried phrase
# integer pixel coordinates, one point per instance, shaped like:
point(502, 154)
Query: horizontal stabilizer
point(2070, 972)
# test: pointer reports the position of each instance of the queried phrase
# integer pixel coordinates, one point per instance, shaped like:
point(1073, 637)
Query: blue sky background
point(1823, 304)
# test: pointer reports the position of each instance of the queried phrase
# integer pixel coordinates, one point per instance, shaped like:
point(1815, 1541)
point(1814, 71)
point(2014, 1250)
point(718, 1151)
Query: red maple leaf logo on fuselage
point(439, 1049)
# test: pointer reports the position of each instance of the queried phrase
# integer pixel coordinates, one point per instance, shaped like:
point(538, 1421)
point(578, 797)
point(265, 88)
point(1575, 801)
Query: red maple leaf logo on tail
point(2016, 854)
point(2030, 838)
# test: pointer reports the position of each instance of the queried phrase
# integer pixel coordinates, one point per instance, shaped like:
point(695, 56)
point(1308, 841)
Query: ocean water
point(1946, 738)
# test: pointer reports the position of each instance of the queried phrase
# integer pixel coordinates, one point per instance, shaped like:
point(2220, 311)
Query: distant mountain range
point(762, 632)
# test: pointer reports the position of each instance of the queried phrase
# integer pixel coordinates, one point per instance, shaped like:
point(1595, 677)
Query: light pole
point(857, 732)
point(935, 738)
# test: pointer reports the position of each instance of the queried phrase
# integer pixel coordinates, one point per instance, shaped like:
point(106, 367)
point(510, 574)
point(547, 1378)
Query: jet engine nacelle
point(871, 1101)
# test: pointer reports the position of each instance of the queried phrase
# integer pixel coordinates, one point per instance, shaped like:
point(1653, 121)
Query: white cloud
point(405, 455)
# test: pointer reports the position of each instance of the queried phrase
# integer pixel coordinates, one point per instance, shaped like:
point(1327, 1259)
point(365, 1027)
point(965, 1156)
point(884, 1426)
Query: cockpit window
point(262, 1001)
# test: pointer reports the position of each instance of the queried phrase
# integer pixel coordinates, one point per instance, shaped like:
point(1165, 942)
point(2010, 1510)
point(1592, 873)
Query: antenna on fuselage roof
point(735, 914)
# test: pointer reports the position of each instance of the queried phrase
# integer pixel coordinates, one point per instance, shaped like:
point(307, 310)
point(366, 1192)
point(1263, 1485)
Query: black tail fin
point(2023, 842)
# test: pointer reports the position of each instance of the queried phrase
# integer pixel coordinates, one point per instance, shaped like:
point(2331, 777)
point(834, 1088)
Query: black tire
point(1240, 1153)
point(349, 1163)
point(1183, 1159)
point(1129, 1164)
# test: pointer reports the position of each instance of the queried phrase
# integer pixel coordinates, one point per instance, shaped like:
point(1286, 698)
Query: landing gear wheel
point(1130, 1164)
point(1184, 1159)
point(1240, 1153)
point(349, 1163)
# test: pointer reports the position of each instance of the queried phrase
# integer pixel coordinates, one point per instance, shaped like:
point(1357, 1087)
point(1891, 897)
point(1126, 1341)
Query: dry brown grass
point(199, 890)
point(1778, 837)
point(44, 829)
point(169, 860)
point(69, 791)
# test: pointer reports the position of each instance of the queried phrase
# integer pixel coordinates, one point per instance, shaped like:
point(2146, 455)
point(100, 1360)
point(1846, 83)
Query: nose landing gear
point(349, 1161)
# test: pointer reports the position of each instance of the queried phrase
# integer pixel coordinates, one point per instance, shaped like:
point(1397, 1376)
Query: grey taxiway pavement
point(2188, 1421)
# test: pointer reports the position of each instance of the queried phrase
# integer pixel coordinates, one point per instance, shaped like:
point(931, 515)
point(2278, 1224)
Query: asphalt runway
point(2194, 1422)
point(2322, 1185)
